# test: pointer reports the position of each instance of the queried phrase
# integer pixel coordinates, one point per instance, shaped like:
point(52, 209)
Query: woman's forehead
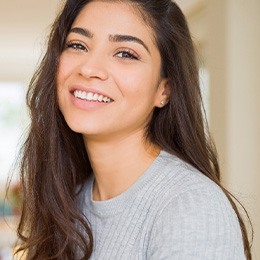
point(114, 17)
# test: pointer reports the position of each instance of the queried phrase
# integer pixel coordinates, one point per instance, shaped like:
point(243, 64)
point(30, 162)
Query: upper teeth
point(91, 96)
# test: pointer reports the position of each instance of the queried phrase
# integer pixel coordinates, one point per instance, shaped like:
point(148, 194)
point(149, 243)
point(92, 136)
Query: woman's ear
point(163, 93)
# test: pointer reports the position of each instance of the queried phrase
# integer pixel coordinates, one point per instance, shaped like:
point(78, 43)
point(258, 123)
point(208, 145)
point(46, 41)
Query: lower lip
point(88, 105)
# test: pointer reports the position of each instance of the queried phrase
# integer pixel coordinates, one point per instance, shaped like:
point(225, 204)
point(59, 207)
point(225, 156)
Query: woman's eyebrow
point(112, 38)
point(127, 38)
point(82, 31)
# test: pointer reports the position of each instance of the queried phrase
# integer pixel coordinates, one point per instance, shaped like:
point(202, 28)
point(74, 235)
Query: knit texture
point(171, 212)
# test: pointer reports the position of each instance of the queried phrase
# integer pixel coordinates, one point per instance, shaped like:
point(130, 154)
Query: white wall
point(233, 58)
point(243, 114)
point(23, 27)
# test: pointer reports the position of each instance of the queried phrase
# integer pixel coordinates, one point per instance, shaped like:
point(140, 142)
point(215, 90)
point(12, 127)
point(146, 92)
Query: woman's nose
point(93, 66)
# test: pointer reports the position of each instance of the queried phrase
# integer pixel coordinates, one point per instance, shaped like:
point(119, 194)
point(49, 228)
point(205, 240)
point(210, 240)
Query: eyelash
point(78, 46)
point(131, 54)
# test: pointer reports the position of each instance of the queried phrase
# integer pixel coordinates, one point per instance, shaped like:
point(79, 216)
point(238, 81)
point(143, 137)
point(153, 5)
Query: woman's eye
point(76, 46)
point(127, 55)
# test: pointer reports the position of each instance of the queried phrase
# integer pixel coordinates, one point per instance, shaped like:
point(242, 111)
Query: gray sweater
point(171, 212)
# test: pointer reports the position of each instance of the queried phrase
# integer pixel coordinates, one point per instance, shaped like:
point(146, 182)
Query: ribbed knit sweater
point(171, 212)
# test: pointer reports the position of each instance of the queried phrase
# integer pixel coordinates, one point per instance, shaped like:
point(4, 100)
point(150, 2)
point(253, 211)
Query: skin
point(128, 72)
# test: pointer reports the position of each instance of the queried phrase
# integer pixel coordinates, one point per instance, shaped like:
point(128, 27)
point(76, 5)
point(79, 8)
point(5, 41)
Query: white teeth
point(83, 95)
point(100, 98)
point(106, 100)
point(91, 96)
point(95, 97)
point(76, 93)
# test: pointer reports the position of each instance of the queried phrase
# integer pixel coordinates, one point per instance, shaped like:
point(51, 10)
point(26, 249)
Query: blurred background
point(227, 36)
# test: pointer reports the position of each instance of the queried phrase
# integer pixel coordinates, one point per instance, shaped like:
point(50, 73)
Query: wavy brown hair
point(55, 163)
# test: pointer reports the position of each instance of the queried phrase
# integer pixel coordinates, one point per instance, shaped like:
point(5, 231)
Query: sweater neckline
point(110, 207)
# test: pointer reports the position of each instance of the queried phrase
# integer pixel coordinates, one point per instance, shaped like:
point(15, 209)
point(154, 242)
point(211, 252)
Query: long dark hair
point(55, 163)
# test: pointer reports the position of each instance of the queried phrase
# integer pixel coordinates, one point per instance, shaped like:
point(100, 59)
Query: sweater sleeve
point(197, 224)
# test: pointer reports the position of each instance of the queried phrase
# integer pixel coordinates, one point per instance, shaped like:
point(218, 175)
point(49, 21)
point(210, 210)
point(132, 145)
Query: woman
point(118, 164)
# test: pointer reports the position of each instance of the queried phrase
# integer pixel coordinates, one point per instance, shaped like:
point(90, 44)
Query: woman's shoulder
point(181, 184)
point(179, 177)
point(194, 218)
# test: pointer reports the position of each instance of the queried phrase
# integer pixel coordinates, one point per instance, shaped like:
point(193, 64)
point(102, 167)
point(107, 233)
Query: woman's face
point(108, 80)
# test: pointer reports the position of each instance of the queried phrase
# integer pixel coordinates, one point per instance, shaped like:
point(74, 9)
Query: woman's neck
point(118, 163)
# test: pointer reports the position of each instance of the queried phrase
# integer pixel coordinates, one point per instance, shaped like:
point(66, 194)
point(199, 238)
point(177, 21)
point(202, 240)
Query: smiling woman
point(118, 163)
